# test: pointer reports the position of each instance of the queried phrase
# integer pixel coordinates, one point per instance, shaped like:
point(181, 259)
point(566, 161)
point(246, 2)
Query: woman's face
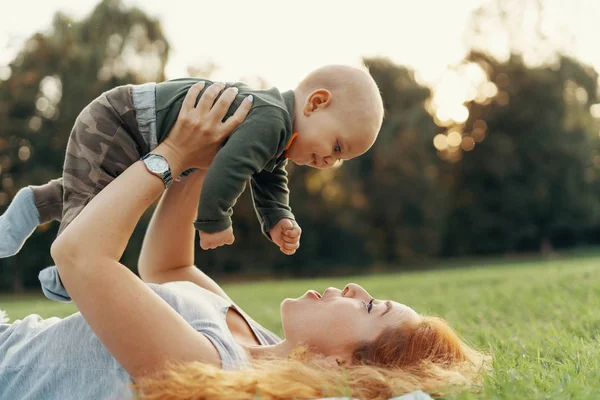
point(337, 321)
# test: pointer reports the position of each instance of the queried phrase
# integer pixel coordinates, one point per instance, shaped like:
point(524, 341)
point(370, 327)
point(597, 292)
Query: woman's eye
point(337, 148)
point(369, 306)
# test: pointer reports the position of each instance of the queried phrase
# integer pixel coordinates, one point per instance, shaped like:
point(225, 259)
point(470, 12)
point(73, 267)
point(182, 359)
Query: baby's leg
point(49, 200)
point(32, 206)
point(100, 148)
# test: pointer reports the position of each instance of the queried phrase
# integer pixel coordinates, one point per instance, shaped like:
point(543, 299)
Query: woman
point(180, 336)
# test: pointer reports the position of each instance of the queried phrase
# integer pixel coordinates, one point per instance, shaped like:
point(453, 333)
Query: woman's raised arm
point(139, 329)
point(168, 250)
point(167, 253)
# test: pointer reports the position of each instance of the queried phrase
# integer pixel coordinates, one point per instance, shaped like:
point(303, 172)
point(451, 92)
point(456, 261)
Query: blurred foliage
point(531, 182)
point(515, 170)
point(52, 78)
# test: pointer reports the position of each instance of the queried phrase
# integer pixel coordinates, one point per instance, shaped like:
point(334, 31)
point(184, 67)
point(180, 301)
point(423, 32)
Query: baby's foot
point(18, 223)
point(52, 286)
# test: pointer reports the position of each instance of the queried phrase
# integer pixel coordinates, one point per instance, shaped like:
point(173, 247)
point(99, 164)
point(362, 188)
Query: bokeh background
point(490, 145)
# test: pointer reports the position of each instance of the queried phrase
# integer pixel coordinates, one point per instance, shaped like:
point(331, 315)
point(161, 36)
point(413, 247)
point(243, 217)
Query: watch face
point(157, 165)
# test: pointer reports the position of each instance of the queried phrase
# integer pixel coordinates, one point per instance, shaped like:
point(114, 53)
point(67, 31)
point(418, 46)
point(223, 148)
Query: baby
point(334, 114)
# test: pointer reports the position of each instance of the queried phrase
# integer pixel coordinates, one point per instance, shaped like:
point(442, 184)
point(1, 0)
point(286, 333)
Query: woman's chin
point(286, 303)
point(290, 305)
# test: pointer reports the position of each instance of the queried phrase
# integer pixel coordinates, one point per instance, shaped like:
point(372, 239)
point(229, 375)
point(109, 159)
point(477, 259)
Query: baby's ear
point(317, 100)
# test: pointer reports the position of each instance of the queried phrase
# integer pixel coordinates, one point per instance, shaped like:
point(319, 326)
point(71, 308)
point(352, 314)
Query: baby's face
point(324, 138)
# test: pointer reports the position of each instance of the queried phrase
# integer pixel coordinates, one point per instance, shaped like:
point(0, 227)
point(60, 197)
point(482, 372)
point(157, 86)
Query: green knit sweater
point(254, 152)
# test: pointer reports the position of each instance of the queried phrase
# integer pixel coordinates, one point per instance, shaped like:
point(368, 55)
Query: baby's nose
point(329, 160)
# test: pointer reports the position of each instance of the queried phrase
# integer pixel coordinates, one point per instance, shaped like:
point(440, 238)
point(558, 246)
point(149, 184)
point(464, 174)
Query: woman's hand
point(198, 132)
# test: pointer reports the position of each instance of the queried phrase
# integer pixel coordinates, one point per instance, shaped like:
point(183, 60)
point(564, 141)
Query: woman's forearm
point(108, 221)
point(169, 240)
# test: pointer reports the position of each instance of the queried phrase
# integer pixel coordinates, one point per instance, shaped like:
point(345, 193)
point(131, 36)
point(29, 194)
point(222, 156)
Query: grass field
point(540, 318)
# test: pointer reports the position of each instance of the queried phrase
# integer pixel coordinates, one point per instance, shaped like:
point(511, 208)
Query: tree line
point(517, 172)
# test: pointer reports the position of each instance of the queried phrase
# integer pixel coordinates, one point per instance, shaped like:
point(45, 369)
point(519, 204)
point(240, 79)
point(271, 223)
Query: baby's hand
point(217, 239)
point(286, 234)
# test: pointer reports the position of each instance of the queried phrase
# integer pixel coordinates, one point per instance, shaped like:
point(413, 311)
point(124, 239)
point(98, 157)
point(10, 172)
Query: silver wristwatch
point(158, 165)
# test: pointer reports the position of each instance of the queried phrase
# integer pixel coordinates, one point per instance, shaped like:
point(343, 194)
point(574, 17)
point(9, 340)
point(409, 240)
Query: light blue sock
point(18, 223)
point(52, 286)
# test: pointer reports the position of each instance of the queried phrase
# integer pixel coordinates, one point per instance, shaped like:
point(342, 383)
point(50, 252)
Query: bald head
point(355, 97)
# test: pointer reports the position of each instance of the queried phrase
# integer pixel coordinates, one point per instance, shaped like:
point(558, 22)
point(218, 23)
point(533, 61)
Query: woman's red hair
point(426, 354)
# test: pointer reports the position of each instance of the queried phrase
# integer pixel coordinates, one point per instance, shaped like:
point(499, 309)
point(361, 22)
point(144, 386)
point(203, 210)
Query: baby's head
point(338, 114)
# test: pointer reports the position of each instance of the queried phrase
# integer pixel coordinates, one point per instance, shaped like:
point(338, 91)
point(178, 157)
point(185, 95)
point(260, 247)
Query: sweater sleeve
point(270, 195)
point(250, 147)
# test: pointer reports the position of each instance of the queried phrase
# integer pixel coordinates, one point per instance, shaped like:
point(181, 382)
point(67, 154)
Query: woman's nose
point(354, 290)
point(331, 290)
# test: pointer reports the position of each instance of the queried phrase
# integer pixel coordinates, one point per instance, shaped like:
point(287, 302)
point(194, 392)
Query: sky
point(282, 40)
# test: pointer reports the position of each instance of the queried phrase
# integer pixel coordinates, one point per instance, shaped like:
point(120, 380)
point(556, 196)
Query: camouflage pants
point(104, 142)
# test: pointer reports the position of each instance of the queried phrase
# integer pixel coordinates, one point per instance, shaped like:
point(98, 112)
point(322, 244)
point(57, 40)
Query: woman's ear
point(317, 100)
point(335, 361)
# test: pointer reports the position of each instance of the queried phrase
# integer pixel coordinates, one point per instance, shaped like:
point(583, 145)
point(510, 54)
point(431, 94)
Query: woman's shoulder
point(184, 295)
point(206, 312)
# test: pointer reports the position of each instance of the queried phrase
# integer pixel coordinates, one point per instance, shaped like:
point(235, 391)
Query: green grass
point(540, 318)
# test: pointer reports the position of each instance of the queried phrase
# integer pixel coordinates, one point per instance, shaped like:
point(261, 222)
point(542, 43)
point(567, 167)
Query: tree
point(527, 176)
point(529, 182)
point(52, 78)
